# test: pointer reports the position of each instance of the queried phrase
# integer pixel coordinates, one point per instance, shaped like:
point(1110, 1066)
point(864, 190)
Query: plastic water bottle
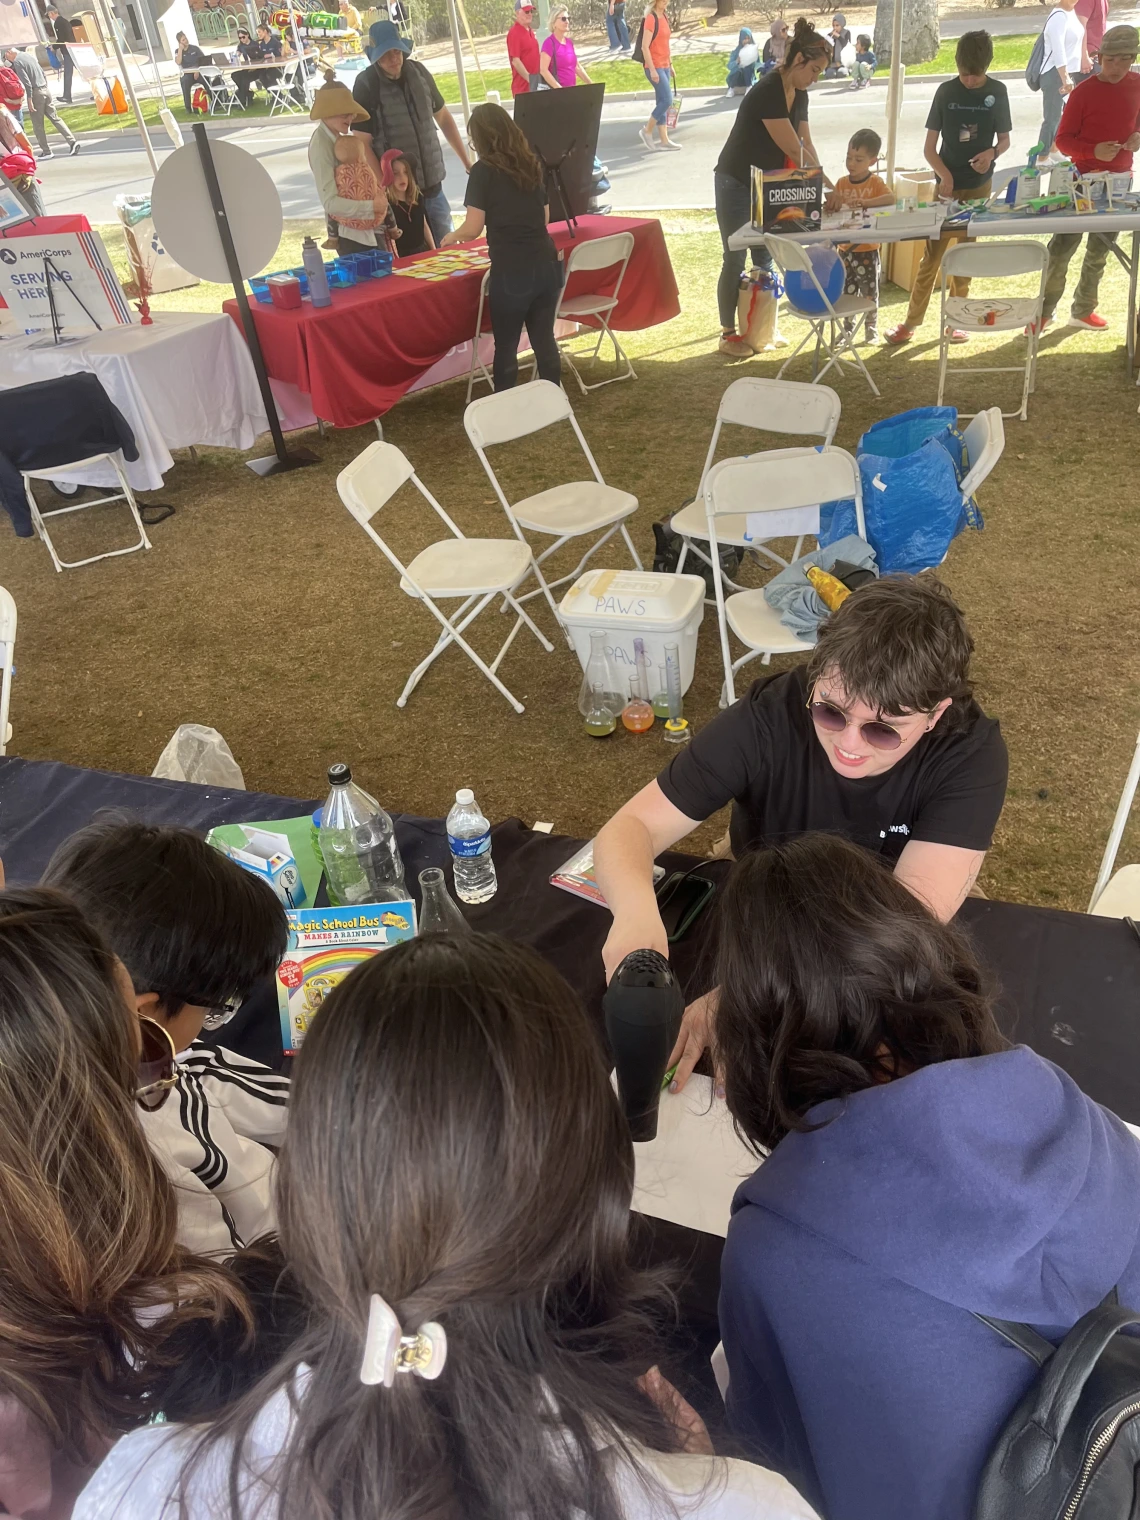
point(315, 269)
point(469, 835)
point(358, 845)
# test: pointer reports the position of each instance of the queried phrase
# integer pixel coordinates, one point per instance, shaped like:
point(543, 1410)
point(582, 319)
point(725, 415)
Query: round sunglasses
point(830, 719)
point(158, 1068)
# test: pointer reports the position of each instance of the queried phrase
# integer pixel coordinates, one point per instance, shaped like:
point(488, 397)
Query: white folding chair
point(789, 407)
point(839, 344)
point(221, 90)
point(565, 512)
point(473, 570)
point(782, 480)
point(7, 655)
point(1118, 896)
point(595, 254)
point(996, 258)
point(280, 94)
point(40, 513)
point(985, 444)
point(476, 362)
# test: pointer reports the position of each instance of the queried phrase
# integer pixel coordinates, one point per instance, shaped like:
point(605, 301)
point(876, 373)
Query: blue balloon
point(828, 268)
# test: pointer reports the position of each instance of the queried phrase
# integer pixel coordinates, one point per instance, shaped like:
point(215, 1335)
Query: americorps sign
point(79, 271)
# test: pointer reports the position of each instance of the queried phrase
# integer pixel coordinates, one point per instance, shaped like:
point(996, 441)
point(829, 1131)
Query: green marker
point(669, 1075)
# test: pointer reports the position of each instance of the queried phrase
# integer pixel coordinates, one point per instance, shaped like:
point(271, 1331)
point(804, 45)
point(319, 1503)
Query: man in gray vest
point(38, 101)
point(404, 107)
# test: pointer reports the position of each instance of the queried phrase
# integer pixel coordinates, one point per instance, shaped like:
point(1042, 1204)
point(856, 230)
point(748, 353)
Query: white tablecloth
point(186, 380)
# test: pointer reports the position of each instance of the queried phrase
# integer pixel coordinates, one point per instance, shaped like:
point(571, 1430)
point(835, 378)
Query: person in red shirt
point(522, 49)
point(1098, 131)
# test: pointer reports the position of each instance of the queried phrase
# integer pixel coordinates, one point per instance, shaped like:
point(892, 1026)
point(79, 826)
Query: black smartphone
point(680, 899)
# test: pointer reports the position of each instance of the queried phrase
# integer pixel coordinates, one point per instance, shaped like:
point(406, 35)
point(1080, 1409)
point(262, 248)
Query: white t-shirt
point(139, 1480)
point(1064, 33)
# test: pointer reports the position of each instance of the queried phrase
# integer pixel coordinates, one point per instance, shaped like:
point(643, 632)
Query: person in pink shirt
point(1093, 15)
point(558, 62)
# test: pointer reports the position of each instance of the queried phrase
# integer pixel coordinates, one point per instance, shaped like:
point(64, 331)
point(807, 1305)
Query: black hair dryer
point(643, 1007)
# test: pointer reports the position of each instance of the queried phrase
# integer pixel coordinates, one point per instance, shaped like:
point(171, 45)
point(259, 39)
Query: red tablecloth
point(357, 357)
point(48, 226)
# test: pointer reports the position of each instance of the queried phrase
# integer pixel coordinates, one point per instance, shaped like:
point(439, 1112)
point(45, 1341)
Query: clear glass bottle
point(358, 845)
point(637, 714)
point(439, 914)
point(660, 695)
point(601, 698)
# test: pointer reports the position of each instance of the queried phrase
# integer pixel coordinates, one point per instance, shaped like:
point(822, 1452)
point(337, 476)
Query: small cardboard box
point(787, 200)
point(270, 856)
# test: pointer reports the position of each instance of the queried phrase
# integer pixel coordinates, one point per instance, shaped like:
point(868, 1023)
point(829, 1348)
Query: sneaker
point(734, 346)
point(670, 146)
point(46, 153)
point(1094, 320)
point(872, 334)
point(900, 334)
point(74, 148)
point(956, 335)
point(1038, 327)
point(647, 141)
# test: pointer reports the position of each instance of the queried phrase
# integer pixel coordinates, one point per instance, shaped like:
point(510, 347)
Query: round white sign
point(184, 214)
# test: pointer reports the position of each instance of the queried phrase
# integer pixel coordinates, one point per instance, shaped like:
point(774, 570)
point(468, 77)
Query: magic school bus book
point(325, 944)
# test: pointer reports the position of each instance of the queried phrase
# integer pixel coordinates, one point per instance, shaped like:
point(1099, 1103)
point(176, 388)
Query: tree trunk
point(726, 7)
point(920, 38)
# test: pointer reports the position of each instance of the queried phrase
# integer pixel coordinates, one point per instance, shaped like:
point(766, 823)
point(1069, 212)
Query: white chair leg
point(534, 628)
point(453, 633)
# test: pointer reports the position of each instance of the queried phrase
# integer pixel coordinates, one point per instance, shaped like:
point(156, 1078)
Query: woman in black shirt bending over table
point(770, 132)
point(506, 195)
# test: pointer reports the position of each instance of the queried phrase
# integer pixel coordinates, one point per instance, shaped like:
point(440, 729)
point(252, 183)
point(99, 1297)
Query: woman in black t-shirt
point(506, 197)
point(770, 132)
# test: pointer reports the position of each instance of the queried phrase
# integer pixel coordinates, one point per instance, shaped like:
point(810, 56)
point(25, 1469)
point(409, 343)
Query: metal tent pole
point(453, 18)
point(109, 25)
point(894, 90)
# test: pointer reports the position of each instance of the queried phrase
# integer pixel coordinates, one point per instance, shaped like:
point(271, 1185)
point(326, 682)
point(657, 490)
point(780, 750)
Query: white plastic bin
point(631, 604)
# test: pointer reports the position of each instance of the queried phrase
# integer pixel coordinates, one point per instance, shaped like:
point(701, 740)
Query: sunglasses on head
point(830, 719)
point(158, 1069)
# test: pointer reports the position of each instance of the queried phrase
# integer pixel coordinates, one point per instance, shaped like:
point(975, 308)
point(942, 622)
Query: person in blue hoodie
point(742, 63)
point(919, 1171)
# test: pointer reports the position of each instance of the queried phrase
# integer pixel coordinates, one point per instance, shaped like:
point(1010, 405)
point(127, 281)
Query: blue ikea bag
point(912, 467)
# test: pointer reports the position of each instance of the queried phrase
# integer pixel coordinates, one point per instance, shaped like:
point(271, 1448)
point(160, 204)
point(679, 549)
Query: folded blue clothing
point(799, 604)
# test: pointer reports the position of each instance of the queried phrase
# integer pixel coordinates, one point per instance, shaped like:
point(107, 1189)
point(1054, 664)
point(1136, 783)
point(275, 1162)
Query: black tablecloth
point(1070, 984)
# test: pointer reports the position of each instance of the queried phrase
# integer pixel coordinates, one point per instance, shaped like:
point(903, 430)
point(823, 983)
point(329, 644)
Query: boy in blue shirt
point(865, 63)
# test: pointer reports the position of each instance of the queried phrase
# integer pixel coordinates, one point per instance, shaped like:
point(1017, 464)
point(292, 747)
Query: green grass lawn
point(694, 71)
point(1009, 53)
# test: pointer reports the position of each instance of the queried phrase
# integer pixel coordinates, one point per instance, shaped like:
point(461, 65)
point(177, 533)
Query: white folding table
point(990, 224)
point(186, 380)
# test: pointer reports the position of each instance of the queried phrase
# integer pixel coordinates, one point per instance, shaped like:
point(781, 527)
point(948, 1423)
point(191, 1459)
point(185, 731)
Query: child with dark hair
point(863, 69)
point(197, 934)
point(860, 186)
point(967, 131)
point(919, 1172)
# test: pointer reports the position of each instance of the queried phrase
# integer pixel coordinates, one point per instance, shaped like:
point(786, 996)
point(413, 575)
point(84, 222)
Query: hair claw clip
point(387, 1350)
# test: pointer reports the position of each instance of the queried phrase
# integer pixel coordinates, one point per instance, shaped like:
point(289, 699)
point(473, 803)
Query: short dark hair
point(974, 53)
point(900, 644)
point(865, 39)
point(833, 978)
point(868, 139)
point(186, 921)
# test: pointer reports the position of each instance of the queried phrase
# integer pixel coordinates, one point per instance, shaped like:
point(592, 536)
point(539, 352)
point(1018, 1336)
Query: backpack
point(667, 554)
point(1033, 69)
point(1071, 1448)
point(638, 54)
point(11, 90)
point(199, 100)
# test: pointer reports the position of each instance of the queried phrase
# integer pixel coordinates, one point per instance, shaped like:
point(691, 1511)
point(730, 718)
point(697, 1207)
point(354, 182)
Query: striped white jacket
point(211, 1136)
